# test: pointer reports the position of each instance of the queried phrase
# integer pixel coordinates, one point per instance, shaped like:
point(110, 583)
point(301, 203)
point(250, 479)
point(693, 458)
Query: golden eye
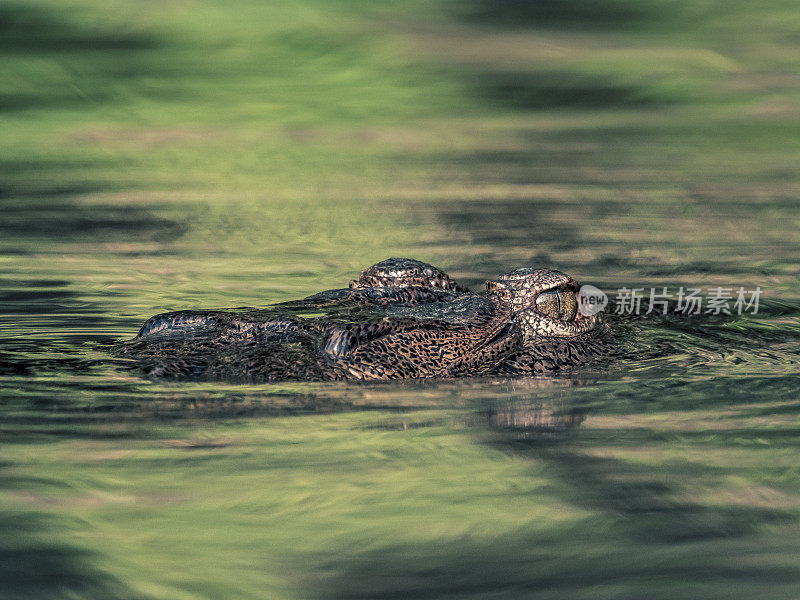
point(560, 303)
point(548, 305)
point(569, 304)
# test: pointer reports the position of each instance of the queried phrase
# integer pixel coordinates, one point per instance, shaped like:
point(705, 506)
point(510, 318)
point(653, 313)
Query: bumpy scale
point(401, 319)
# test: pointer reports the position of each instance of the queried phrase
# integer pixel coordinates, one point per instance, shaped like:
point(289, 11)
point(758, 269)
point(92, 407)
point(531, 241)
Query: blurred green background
point(328, 135)
point(201, 153)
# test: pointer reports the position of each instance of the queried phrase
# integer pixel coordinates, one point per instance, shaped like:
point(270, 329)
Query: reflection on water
point(531, 420)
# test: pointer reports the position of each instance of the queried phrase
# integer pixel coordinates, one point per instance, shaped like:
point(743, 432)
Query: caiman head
point(544, 302)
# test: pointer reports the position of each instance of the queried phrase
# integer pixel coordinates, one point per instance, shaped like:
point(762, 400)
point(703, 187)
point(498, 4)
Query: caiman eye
point(548, 305)
point(569, 304)
point(559, 303)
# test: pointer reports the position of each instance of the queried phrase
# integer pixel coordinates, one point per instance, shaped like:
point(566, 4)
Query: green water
point(160, 156)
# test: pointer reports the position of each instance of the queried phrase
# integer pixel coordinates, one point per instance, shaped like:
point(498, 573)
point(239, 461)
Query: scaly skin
point(402, 319)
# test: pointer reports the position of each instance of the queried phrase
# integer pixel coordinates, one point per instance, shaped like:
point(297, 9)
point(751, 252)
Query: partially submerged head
point(404, 272)
point(545, 302)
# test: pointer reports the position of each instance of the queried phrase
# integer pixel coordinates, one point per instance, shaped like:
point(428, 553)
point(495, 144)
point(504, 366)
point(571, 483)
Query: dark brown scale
point(404, 349)
point(402, 319)
point(379, 296)
point(550, 357)
point(403, 273)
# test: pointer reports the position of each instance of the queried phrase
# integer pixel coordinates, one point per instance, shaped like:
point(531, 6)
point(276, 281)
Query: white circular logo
point(591, 300)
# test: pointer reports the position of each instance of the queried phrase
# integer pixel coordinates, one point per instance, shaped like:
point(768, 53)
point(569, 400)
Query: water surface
point(208, 156)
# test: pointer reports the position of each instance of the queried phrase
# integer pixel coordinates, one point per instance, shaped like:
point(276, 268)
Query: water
point(245, 164)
